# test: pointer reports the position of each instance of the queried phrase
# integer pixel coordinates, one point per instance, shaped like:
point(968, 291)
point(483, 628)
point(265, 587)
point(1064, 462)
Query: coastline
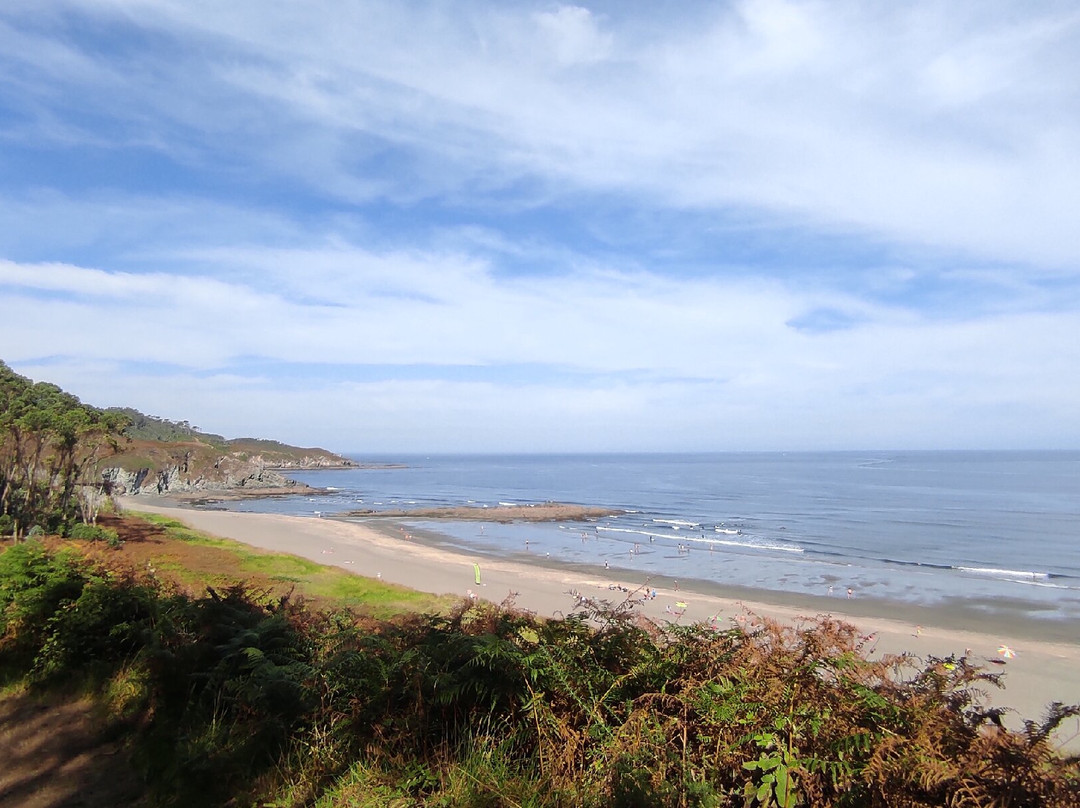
point(1044, 670)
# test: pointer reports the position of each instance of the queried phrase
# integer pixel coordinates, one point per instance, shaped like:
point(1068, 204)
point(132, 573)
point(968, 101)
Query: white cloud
point(574, 35)
point(657, 363)
point(907, 121)
point(918, 126)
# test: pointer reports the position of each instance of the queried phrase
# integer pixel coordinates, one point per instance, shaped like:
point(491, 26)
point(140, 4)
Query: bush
point(87, 532)
point(249, 702)
point(106, 624)
point(34, 585)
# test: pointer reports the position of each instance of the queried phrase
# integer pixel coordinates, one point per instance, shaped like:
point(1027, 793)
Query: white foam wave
point(753, 544)
point(634, 531)
point(756, 544)
point(1000, 573)
point(1044, 584)
point(677, 523)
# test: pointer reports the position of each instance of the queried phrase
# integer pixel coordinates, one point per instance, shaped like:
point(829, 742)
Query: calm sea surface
point(995, 530)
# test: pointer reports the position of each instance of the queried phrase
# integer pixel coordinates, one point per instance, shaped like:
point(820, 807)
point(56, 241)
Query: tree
point(50, 448)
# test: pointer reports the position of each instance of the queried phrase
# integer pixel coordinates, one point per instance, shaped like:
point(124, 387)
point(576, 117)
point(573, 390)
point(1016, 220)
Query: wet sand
point(1046, 667)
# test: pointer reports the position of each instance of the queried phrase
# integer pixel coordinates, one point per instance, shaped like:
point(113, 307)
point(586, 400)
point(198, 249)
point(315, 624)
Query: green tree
point(50, 447)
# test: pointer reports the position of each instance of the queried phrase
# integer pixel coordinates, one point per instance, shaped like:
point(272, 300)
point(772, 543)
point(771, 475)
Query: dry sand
point(1043, 670)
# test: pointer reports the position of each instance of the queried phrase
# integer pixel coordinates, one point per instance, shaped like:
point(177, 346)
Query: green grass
point(313, 580)
point(132, 463)
point(181, 532)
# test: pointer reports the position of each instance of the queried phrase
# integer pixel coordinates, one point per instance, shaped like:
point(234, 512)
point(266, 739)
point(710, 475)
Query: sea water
point(994, 530)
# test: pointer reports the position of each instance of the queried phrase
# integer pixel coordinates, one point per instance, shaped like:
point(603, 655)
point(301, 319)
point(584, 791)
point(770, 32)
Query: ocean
point(991, 531)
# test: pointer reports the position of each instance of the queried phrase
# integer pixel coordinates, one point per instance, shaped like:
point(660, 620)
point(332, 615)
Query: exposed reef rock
point(540, 512)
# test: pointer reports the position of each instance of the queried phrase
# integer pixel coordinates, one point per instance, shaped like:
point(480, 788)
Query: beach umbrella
point(1006, 651)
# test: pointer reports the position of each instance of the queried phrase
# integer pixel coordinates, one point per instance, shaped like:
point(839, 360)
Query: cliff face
point(173, 480)
point(233, 468)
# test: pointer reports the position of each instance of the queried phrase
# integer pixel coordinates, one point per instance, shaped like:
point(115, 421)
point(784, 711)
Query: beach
point(1045, 667)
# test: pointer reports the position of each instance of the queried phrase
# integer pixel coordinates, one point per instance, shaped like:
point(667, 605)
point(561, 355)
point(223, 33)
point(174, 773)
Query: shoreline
point(1044, 670)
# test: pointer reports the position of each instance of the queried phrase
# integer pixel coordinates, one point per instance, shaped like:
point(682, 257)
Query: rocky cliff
point(223, 469)
point(172, 480)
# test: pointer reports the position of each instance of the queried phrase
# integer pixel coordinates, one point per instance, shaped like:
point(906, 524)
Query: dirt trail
point(53, 755)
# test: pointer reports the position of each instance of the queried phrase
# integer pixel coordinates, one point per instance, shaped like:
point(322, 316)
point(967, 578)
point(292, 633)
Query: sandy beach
point(1046, 668)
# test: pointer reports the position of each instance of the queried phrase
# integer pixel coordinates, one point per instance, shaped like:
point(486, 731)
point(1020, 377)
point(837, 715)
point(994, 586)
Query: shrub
point(86, 532)
point(34, 585)
point(490, 707)
point(105, 626)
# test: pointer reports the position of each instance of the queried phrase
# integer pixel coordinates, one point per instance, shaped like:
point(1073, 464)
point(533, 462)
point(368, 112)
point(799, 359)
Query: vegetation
point(156, 449)
point(241, 678)
point(236, 696)
point(194, 561)
point(151, 428)
point(51, 446)
point(60, 458)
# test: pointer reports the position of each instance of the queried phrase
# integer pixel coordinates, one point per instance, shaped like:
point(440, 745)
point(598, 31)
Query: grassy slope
point(79, 756)
point(194, 561)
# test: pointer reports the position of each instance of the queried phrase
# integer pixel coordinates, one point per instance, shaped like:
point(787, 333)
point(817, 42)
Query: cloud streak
point(747, 225)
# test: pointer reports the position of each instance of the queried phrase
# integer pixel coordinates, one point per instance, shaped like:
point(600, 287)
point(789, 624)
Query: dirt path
point(53, 755)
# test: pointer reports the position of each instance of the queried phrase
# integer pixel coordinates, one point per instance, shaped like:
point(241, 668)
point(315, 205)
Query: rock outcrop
point(234, 477)
point(208, 466)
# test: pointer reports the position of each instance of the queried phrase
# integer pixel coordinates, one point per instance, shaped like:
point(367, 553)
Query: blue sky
point(398, 227)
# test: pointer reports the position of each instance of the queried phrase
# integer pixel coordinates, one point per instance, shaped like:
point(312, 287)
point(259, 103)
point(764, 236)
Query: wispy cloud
point(747, 224)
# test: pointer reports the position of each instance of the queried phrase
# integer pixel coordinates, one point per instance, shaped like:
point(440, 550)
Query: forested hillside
point(150, 427)
point(60, 459)
point(51, 450)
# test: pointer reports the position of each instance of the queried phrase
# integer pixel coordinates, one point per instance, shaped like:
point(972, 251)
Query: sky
point(389, 227)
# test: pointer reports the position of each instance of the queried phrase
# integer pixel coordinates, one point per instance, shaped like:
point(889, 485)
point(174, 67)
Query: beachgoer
point(606, 566)
point(676, 586)
point(850, 593)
